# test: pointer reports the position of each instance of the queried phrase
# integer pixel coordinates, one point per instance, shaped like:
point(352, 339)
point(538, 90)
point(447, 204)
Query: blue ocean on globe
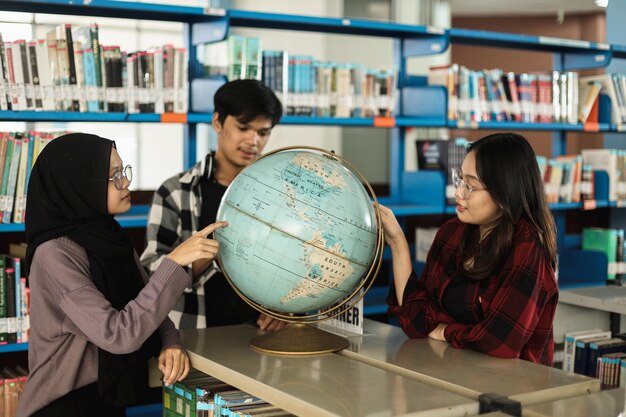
point(302, 232)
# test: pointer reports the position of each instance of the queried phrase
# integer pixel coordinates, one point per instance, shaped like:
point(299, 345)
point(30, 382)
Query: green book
point(605, 241)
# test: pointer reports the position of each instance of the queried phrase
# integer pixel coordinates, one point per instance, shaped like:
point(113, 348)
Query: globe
point(303, 235)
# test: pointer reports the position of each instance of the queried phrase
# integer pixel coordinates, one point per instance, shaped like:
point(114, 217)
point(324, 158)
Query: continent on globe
point(326, 270)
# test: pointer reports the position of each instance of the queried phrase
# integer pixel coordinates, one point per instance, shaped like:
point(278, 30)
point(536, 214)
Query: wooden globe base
point(299, 339)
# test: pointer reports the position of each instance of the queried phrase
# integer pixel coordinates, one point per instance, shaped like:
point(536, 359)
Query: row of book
point(18, 153)
point(597, 354)
point(329, 89)
point(570, 178)
point(201, 395)
point(614, 86)
point(566, 179)
point(613, 162)
point(610, 242)
point(306, 86)
point(544, 97)
point(14, 298)
point(12, 382)
point(71, 71)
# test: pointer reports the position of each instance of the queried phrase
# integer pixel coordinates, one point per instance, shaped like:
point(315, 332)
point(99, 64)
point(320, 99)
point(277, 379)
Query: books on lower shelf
point(12, 380)
point(202, 395)
point(598, 354)
point(14, 301)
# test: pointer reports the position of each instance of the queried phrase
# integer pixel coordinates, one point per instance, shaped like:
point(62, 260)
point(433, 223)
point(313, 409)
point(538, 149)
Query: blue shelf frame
point(575, 54)
point(13, 347)
point(112, 8)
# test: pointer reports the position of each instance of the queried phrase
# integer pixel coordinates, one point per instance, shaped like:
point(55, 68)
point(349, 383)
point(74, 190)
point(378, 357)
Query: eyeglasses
point(460, 184)
point(119, 176)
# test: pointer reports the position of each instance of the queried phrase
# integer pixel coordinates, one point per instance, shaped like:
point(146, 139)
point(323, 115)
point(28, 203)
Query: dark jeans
point(82, 402)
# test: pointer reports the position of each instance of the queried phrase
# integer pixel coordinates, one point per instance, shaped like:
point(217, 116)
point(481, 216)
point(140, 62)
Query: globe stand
point(299, 339)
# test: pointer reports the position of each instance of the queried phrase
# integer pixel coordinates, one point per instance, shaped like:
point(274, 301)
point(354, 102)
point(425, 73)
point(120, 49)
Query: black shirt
point(222, 304)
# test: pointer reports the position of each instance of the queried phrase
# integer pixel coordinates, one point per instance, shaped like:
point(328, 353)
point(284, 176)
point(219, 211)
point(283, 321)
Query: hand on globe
point(198, 246)
point(394, 234)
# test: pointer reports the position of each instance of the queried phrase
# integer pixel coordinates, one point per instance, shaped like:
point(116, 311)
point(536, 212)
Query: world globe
point(303, 236)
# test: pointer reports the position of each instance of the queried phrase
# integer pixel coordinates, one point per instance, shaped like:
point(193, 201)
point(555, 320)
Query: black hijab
point(67, 196)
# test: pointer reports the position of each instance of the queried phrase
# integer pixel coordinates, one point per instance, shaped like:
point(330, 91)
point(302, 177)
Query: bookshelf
point(419, 105)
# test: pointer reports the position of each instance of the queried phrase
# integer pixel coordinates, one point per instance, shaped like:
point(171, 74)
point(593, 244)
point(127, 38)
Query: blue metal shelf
point(454, 124)
point(13, 347)
point(619, 51)
point(148, 410)
point(51, 116)
point(346, 26)
point(327, 121)
point(414, 210)
point(400, 121)
point(110, 8)
point(576, 54)
point(126, 221)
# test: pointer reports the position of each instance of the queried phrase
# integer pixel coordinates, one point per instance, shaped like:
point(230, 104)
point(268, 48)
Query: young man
point(245, 113)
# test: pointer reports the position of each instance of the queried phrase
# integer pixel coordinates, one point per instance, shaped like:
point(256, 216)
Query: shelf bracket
point(586, 60)
point(431, 45)
point(214, 30)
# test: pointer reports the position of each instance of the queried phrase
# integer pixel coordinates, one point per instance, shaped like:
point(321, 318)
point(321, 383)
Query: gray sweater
point(70, 319)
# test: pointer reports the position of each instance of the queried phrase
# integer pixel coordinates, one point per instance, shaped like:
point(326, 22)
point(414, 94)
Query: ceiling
point(522, 7)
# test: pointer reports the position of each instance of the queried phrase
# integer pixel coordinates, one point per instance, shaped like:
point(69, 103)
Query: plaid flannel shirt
point(175, 216)
point(513, 313)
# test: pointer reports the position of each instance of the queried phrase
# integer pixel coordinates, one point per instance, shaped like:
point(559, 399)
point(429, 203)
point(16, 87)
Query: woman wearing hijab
point(96, 317)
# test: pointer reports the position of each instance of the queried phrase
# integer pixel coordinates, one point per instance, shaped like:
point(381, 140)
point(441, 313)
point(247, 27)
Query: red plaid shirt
point(511, 316)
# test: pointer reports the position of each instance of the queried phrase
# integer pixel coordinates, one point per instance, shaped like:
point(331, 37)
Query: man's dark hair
point(247, 100)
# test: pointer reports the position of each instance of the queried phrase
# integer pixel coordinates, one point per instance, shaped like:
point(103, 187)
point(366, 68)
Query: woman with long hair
point(488, 283)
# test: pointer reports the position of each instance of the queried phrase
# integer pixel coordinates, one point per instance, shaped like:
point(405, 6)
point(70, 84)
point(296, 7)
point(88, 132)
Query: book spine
point(11, 307)
point(3, 302)
point(12, 181)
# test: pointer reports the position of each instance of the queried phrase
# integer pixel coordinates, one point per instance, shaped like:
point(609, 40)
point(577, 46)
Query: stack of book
point(12, 382)
point(237, 57)
point(71, 71)
point(613, 161)
point(596, 354)
point(329, 89)
point(18, 153)
point(14, 301)
point(496, 95)
point(202, 395)
point(563, 178)
point(614, 86)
